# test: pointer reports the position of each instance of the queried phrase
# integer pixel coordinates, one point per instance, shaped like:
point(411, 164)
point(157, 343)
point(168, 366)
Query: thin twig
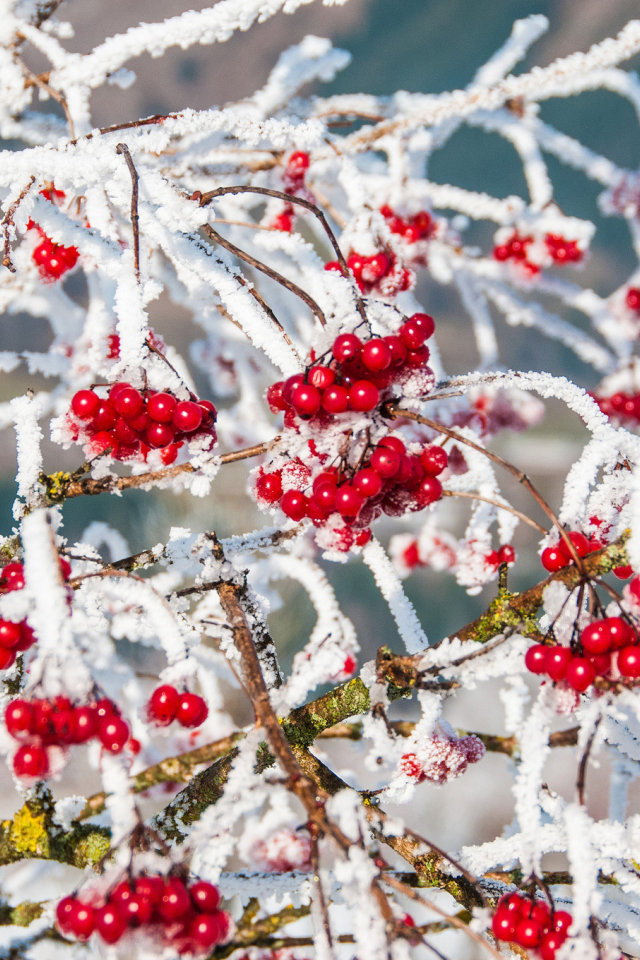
point(123, 149)
point(396, 412)
point(496, 503)
point(584, 759)
point(34, 80)
point(7, 221)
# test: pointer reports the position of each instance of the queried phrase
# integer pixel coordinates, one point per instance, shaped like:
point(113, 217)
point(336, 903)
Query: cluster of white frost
point(66, 192)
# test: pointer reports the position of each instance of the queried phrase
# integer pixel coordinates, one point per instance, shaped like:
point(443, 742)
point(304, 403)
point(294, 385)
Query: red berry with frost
point(552, 559)
point(363, 396)
point(85, 404)
point(434, 459)
point(394, 443)
point(363, 537)
point(27, 638)
point(412, 768)
point(535, 659)
point(162, 705)
point(283, 222)
point(412, 334)
point(429, 491)
point(562, 920)
point(356, 264)
point(64, 726)
point(113, 733)
point(348, 501)
point(159, 435)
point(558, 659)
point(105, 416)
point(425, 321)
point(205, 896)
point(105, 708)
point(275, 398)
point(306, 400)
point(297, 164)
point(192, 710)
point(31, 761)
point(187, 416)
point(580, 674)
point(629, 662)
point(175, 901)
point(333, 265)
point(18, 718)
point(137, 910)
point(335, 399)
point(367, 482)
point(346, 347)
point(110, 923)
point(376, 267)
point(160, 407)
point(294, 505)
point(418, 358)
point(269, 487)
point(376, 355)
point(321, 377)
point(385, 461)
point(10, 634)
point(550, 944)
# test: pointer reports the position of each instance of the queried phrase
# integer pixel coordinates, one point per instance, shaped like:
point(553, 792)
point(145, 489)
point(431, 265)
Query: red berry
point(162, 705)
point(429, 491)
point(601, 663)
point(123, 432)
point(113, 733)
point(633, 298)
point(31, 761)
point(83, 921)
point(620, 632)
point(629, 662)
point(191, 710)
point(205, 896)
point(18, 718)
point(7, 658)
point(137, 910)
point(434, 459)
point(269, 487)
point(362, 539)
point(64, 726)
point(398, 351)
point(86, 724)
point(207, 929)
point(424, 321)
point(346, 347)
point(306, 400)
point(64, 913)
point(562, 920)
point(175, 900)
point(535, 659)
point(106, 708)
point(325, 496)
point(335, 399)
point(294, 505)
point(528, 933)
point(110, 923)
point(596, 638)
point(160, 407)
point(367, 482)
point(355, 263)
point(348, 501)
point(550, 944)
point(515, 903)
point(385, 461)
point(27, 638)
point(376, 267)
point(623, 573)
point(376, 355)
point(558, 659)
point(503, 925)
point(412, 334)
point(394, 443)
point(159, 434)
point(507, 554)
point(418, 358)
point(411, 233)
point(363, 396)
point(105, 416)
point(333, 265)
point(187, 416)
point(297, 164)
point(275, 398)
point(581, 674)
point(128, 402)
point(140, 423)
point(290, 385)
point(321, 377)
point(634, 589)
point(328, 476)
point(580, 543)
point(151, 888)
point(553, 559)
point(284, 222)
point(85, 404)
point(10, 634)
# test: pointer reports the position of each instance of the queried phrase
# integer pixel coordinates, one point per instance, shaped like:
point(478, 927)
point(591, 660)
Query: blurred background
point(416, 45)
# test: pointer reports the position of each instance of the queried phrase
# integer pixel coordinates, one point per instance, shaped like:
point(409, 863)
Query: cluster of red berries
point(604, 647)
point(556, 557)
point(622, 406)
point(293, 179)
point(415, 228)
point(53, 259)
point(390, 481)
point(166, 705)
point(184, 917)
point(130, 422)
point(561, 251)
point(15, 638)
point(532, 925)
point(633, 299)
point(46, 723)
point(381, 271)
point(357, 376)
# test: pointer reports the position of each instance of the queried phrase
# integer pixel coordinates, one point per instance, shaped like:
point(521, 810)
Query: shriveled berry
point(192, 710)
point(160, 407)
point(85, 404)
point(294, 505)
point(398, 351)
point(187, 416)
point(163, 704)
point(64, 726)
point(535, 659)
point(275, 398)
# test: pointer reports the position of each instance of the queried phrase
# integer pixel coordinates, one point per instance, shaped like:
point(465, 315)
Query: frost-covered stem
point(215, 237)
point(521, 477)
point(123, 149)
point(496, 503)
point(7, 222)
